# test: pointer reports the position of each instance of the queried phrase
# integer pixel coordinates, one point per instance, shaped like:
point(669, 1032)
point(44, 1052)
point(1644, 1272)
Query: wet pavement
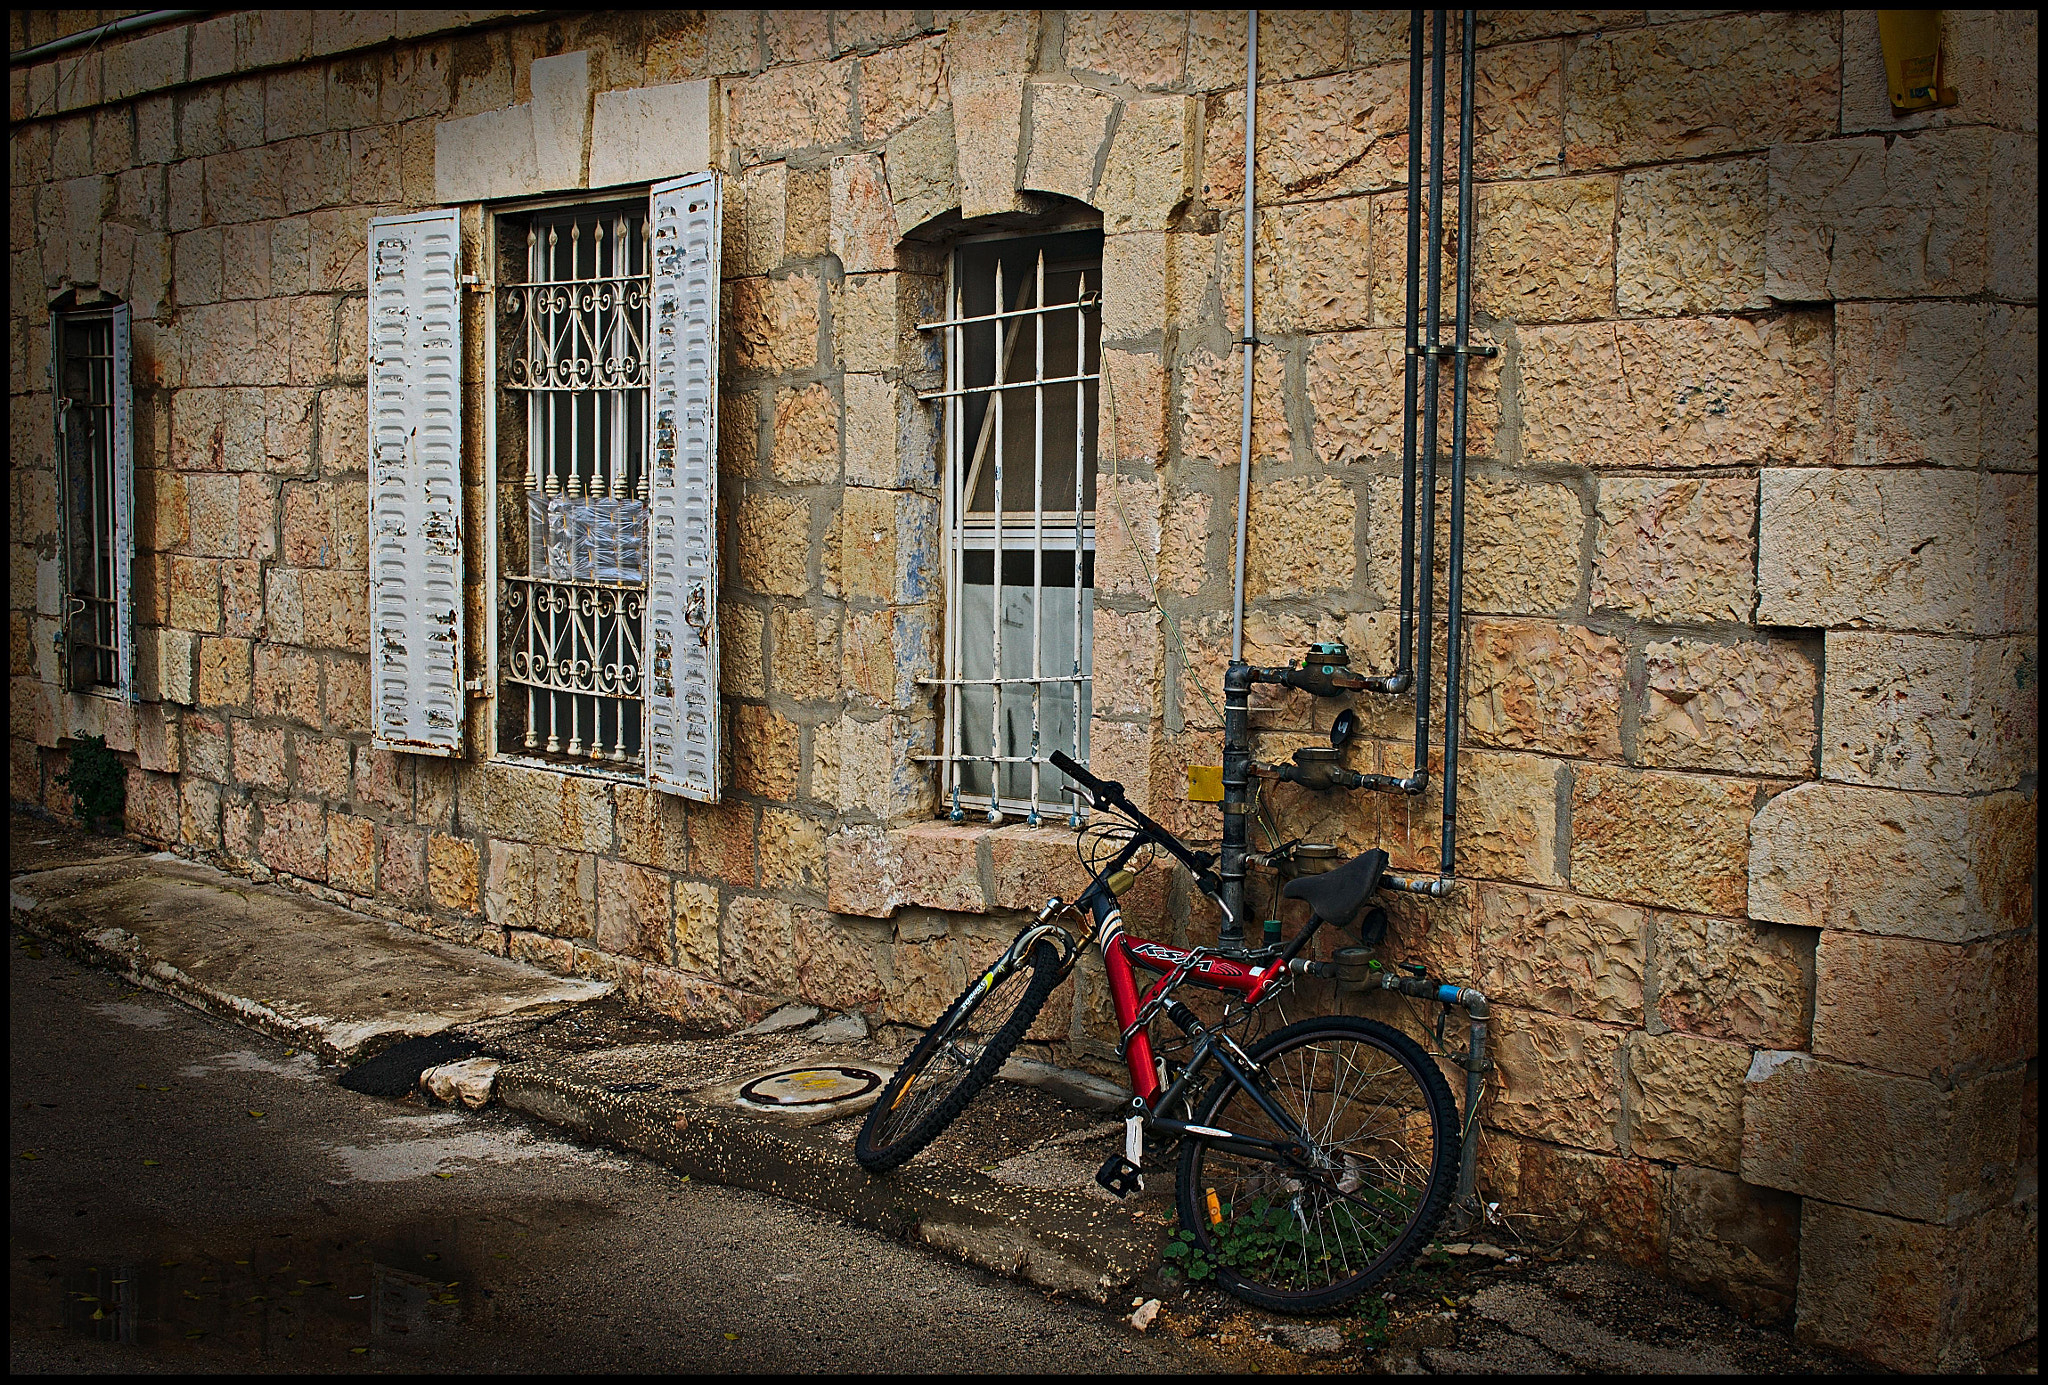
point(188, 1196)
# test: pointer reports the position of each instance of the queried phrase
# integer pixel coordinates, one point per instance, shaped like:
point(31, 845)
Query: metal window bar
point(996, 520)
point(85, 419)
point(573, 625)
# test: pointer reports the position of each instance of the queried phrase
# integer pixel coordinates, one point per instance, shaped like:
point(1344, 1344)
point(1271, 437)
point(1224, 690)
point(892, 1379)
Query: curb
point(1068, 1243)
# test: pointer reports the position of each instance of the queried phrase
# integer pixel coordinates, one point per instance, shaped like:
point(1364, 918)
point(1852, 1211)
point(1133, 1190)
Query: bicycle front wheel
point(1307, 1235)
point(957, 1057)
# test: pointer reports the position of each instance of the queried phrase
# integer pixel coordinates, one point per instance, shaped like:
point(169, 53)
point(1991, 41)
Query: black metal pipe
point(1432, 311)
point(1453, 660)
point(1237, 777)
point(1407, 653)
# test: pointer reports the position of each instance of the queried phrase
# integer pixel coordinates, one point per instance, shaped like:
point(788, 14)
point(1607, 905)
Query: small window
point(574, 429)
point(1022, 359)
point(95, 451)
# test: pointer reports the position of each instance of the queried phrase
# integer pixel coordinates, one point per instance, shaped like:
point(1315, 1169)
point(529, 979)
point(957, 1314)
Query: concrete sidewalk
point(348, 987)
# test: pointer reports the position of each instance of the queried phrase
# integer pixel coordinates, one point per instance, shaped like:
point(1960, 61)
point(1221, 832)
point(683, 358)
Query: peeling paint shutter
point(416, 698)
point(124, 501)
point(682, 596)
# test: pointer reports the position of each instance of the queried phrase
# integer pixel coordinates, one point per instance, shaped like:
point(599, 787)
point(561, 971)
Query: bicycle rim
point(956, 1058)
point(1382, 1159)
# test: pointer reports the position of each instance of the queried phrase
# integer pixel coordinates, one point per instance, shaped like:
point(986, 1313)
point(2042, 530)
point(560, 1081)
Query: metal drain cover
point(810, 1087)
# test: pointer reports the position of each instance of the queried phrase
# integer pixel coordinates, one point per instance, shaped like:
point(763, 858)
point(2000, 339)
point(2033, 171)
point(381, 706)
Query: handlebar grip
point(1109, 791)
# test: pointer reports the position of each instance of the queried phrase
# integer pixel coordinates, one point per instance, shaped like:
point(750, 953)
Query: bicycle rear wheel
point(1382, 1160)
point(956, 1058)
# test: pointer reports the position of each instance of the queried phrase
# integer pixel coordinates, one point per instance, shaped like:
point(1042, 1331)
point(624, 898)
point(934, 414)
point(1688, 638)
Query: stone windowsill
point(970, 868)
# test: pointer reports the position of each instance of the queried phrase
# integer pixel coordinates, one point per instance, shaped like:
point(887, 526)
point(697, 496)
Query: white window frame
point(113, 501)
point(1071, 531)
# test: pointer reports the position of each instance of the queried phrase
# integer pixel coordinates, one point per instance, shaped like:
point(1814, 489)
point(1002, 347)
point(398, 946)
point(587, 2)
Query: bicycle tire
point(891, 1134)
point(1245, 1231)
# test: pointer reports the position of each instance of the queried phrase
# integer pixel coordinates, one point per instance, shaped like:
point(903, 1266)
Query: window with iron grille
point(1021, 337)
point(95, 476)
point(574, 439)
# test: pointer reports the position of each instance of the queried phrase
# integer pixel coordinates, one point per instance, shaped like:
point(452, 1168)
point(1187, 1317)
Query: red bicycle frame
point(1121, 952)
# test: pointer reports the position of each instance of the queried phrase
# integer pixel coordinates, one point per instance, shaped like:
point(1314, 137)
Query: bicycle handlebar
point(1108, 793)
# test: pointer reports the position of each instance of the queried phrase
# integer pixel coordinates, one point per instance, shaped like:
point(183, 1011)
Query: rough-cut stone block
point(772, 538)
point(835, 963)
point(1923, 712)
point(923, 166)
point(1522, 543)
point(295, 839)
point(1144, 48)
point(1676, 550)
point(1557, 1080)
point(1744, 707)
point(532, 805)
point(1355, 386)
point(1031, 864)
point(863, 229)
point(633, 912)
point(756, 220)
point(1670, 91)
point(1212, 399)
point(651, 828)
point(1507, 815)
point(1929, 1010)
point(933, 865)
point(722, 843)
point(1542, 251)
point(783, 109)
point(770, 325)
point(1676, 840)
point(1735, 1242)
point(988, 126)
point(1732, 979)
point(1913, 1297)
point(1897, 548)
point(806, 435)
point(757, 946)
point(1289, 558)
point(1877, 1141)
point(452, 873)
point(1911, 382)
point(1681, 392)
point(1322, 137)
point(1533, 685)
point(1690, 239)
point(1608, 1205)
point(900, 85)
point(792, 851)
point(1901, 864)
point(766, 760)
point(1685, 1099)
point(1068, 124)
point(1561, 954)
point(1884, 218)
point(1150, 171)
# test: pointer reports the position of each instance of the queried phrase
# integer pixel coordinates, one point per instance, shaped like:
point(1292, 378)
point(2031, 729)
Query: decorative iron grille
point(572, 626)
point(1022, 367)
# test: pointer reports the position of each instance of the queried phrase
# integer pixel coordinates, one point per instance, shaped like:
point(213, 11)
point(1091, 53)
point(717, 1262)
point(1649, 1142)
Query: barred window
point(95, 476)
point(1022, 356)
point(573, 367)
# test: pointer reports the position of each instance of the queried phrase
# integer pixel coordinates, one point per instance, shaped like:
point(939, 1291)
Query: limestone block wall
point(1747, 798)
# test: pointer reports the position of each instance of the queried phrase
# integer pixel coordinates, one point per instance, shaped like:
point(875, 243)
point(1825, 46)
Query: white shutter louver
point(124, 500)
point(415, 312)
point(682, 596)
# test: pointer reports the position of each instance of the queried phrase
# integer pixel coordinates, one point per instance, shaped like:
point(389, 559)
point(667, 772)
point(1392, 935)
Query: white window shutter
point(416, 697)
point(124, 501)
point(682, 596)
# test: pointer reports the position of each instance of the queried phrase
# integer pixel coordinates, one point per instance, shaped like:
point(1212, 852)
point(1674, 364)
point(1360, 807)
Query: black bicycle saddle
point(1336, 896)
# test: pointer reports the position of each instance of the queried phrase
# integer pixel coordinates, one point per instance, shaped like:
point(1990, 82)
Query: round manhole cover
point(810, 1086)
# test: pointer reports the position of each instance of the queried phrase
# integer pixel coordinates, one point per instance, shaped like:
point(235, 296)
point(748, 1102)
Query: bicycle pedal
point(1120, 1176)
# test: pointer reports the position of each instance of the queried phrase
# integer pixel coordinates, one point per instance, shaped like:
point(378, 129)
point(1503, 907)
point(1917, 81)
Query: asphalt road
point(185, 1195)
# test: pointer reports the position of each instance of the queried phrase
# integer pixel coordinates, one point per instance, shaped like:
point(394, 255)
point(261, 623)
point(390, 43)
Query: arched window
point(94, 408)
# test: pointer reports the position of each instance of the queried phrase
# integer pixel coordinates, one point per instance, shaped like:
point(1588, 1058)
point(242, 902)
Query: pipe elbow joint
point(1238, 678)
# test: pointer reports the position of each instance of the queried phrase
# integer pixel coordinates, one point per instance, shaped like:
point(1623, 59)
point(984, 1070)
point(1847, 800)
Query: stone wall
point(1747, 794)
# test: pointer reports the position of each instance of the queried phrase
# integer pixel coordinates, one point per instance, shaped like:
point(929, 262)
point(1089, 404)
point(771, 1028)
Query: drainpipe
point(1405, 669)
point(1475, 1063)
point(1237, 683)
point(85, 38)
point(1454, 637)
point(1432, 311)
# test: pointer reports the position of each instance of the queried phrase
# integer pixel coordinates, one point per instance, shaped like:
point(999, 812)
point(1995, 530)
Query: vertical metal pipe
point(1460, 367)
point(1080, 459)
point(1411, 343)
point(1476, 1065)
point(1244, 446)
point(1433, 305)
point(1236, 680)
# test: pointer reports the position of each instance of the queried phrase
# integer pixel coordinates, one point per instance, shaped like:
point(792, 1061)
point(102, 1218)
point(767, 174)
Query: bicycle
point(1310, 1167)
